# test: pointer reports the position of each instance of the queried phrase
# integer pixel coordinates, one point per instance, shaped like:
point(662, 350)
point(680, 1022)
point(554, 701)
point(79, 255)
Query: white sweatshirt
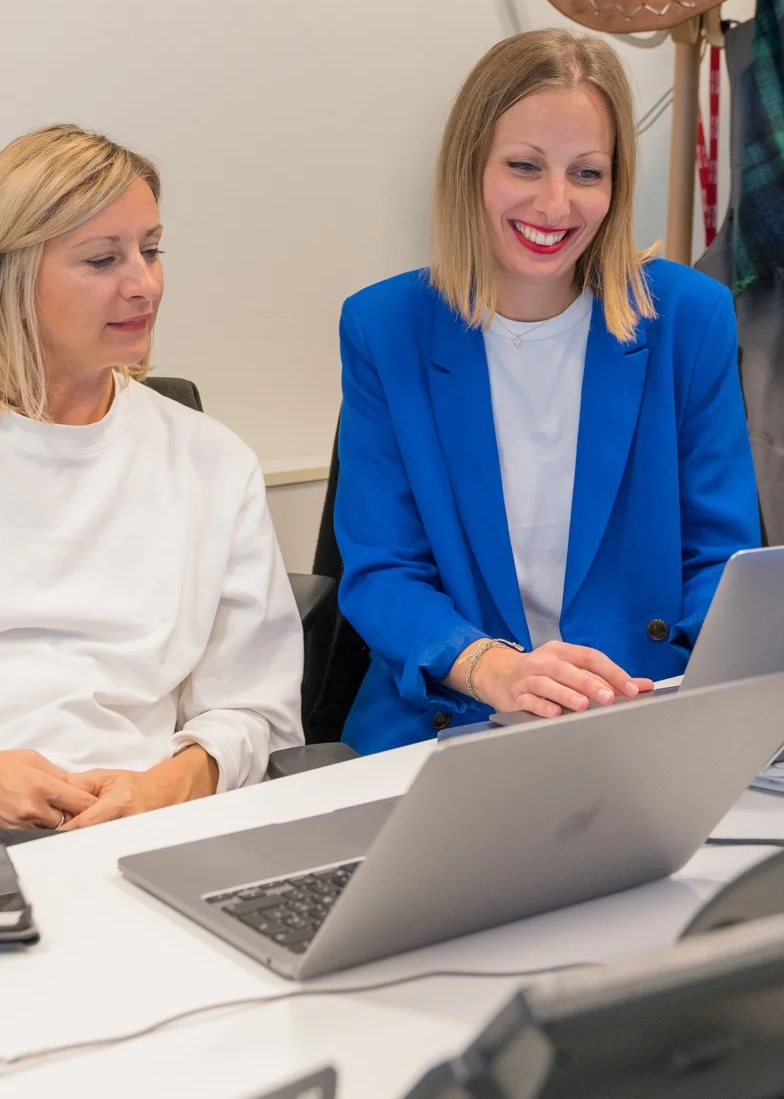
point(144, 605)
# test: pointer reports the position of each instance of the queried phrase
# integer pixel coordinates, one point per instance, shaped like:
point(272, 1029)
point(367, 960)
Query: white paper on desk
point(771, 780)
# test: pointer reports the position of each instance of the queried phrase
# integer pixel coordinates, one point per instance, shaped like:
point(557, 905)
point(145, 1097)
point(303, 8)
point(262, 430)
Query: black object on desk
point(703, 1019)
point(321, 1085)
point(754, 894)
point(16, 915)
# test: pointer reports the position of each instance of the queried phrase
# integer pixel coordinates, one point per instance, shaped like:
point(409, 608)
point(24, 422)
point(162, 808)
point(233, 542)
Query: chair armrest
point(311, 594)
point(290, 761)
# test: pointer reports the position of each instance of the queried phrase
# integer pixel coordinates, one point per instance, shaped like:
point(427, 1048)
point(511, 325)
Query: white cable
point(641, 129)
point(23, 1060)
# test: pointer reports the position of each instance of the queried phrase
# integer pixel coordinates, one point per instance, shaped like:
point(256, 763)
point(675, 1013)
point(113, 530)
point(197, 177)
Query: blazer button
point(658, 630)
point(440, 721)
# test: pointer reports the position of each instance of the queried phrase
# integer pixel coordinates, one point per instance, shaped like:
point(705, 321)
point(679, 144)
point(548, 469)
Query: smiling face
point(99, 287)
point(546, 188)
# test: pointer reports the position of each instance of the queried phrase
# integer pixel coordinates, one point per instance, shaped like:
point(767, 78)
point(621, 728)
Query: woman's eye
point(150, 254)
point(524, 166)
point(589, 175)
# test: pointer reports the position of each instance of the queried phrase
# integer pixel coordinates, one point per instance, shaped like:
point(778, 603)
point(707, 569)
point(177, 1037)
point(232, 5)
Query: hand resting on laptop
point(554, 677)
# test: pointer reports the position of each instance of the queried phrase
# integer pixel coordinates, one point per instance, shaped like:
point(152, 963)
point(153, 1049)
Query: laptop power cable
point(20, 1061)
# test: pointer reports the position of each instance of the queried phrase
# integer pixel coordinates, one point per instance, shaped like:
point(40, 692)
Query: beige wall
point(296, 142)
point(296, 513)
point(296, 509)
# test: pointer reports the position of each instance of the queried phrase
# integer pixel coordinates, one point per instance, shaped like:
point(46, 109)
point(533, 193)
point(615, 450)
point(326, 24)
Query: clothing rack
point(688, 38)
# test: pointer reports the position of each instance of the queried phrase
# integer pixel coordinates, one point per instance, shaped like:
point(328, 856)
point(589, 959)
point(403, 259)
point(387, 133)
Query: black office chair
point(338, 658)
point(316, 598)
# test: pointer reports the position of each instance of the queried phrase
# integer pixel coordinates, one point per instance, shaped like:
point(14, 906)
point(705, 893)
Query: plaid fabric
point(758, 247)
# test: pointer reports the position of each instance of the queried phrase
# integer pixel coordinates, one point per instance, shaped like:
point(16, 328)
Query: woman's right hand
point(34, 793)
point(555, 677)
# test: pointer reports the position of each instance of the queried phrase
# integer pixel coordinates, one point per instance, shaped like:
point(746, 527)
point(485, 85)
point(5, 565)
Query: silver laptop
point(742, 635)
point(496, 826)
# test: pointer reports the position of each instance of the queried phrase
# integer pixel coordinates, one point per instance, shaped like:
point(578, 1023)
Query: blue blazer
point(664, 492)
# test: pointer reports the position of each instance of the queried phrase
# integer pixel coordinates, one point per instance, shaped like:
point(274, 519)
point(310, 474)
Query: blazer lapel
point(462, 406)
point(613, 384)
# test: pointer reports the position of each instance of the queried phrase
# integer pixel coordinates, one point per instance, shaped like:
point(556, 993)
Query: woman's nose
point(141, 280)
point(552, 200)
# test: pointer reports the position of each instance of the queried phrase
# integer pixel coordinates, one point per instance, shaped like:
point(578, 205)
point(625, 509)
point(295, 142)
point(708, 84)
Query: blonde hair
point(51, 181)
point(462, 266)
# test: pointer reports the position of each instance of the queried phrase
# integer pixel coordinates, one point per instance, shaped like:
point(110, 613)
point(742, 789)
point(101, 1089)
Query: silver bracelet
point(479, 651)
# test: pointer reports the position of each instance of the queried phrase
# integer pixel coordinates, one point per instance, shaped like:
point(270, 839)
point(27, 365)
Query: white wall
point(296, 140)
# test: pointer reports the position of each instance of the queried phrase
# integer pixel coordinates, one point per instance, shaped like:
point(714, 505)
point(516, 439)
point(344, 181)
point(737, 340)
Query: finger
point(550, 689)
point(584, 686)
point(594, 661)
point(534, 704)
point(92, 782)
point(39, 815)
point(103, 809)
point(65, 798)
point(41, 763)
point(43, 801)
point(112, 805)
point(643, 684)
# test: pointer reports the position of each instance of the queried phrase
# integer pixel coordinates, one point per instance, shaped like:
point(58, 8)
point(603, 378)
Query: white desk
point(112, 958)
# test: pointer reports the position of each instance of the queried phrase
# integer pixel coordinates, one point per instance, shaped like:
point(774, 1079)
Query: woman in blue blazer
point(544, 462)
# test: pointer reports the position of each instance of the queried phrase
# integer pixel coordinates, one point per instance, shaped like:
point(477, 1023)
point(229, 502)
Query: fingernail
point(579, 702)
point(552, 711)
point(631, 689)
point(605, 695)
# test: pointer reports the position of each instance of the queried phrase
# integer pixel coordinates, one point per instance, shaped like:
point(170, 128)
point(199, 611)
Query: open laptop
point(496, 826)
point(742, 635)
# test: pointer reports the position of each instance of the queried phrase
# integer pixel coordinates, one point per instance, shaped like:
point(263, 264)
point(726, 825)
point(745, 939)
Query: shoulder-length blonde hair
point(51, 181)
point(462, 262)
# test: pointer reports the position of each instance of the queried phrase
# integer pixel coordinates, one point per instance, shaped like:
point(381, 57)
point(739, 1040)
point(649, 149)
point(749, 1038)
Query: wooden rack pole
point(683, 141)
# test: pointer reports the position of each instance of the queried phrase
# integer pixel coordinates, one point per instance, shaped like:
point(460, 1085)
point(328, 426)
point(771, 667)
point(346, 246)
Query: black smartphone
point(16, 916)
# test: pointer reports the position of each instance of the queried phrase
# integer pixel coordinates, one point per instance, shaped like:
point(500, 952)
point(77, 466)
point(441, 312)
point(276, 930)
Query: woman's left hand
point(192, 773)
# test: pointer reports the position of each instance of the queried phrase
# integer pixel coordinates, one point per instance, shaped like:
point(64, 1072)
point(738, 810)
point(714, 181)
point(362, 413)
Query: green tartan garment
point(758, 245)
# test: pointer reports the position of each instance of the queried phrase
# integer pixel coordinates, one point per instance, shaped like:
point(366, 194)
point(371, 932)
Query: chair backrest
point(178, 389)
point(337, 657)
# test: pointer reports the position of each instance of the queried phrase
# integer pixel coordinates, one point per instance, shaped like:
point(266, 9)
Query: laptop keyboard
point(288, 911)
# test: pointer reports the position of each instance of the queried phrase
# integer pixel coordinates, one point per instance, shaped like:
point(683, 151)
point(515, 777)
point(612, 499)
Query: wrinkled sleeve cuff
point(422, 675)
point(226, 752)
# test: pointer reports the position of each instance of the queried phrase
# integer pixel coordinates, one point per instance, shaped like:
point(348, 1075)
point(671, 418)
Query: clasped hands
point(555, 677)
point(35, 793)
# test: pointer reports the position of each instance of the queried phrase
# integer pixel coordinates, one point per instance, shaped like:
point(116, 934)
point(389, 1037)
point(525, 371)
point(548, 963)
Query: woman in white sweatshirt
point(150, 646)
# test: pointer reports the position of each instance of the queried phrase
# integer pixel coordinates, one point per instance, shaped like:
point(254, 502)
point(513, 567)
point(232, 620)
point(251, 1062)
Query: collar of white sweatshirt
point(145, 603)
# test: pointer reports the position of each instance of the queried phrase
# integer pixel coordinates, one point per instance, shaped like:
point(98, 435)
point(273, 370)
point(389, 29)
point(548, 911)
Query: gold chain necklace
point(516, 337)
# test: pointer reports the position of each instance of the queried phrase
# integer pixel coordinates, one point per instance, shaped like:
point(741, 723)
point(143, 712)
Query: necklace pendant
point(517, 341)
